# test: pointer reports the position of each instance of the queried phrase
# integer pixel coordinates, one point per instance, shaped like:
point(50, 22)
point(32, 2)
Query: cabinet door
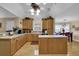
point(24, 38)
point(44, 24)
point(30, 23)
point(49, 23)
point(25, 24)
point(52, 48)
point(35, 37)
point(29, 37)
point(57, 46)
point(18, 44)
point(50, 26)
point(43, 46)
point(13, 46)
point(5, 47)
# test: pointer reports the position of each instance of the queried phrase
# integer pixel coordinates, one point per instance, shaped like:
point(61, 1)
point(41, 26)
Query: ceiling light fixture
point(35, 9)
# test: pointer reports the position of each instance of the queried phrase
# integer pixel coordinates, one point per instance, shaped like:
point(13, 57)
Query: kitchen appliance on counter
point(9, 32)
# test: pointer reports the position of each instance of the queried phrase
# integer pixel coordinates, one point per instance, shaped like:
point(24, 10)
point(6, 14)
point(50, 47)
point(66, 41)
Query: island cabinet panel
point(43, 46)
point(53, 45)
point(5, 47)
point(57, 46)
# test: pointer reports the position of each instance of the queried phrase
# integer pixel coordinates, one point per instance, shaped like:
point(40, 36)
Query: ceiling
point(60, 11)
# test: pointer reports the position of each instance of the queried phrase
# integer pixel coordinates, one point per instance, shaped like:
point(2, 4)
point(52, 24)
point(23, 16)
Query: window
point(58, 28)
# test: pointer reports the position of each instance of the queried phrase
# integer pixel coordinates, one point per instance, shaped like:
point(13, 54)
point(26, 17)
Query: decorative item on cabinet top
point(28, 18)
point(50, 17)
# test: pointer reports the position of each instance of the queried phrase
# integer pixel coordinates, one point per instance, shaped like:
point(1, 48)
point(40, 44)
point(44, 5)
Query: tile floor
point(32, 50)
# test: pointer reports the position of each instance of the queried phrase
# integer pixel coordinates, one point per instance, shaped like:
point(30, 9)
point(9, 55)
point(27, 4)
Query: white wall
point(4, 25)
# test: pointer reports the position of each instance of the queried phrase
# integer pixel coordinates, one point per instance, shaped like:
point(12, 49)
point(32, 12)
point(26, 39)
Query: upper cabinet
point(27, 23)
point(48, 24)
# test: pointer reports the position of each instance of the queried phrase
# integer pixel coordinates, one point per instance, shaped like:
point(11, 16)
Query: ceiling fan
point(36, 7)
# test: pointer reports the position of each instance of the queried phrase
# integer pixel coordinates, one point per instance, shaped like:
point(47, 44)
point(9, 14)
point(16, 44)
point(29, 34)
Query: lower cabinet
point(32, 37)
point(53, 46)
point(13, 46)
point(5, 47)
point(57, 46)
point(43, 46)
point(9, 46)
point(29, 37)
point(18, 43)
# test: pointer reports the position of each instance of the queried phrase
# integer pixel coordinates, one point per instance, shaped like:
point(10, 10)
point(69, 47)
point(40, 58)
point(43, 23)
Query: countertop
point(15, 35)
point(52, 36)
point(10, 37)
point(39, 36)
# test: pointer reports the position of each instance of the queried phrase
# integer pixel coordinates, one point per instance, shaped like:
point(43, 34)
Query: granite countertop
point(52, 36)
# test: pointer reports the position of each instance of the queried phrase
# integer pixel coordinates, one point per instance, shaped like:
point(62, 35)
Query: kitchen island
point(52, 44)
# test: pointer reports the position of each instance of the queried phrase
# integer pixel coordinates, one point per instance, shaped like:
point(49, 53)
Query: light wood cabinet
point(18, 44)
point(44, 24)
point(53, 46)
point(43, 46)
point(29, 37)
point(5, 49)
point(57, 46)
point(30, 24)
point(21, 41)
point(48, 24)
point(32, 37)
point(11, 45)
point(27, 24)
